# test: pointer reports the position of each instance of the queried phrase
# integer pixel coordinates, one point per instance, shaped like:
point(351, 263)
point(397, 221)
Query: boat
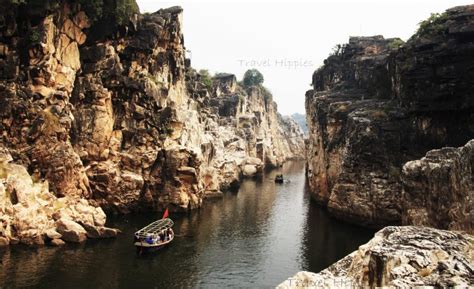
point(279, 179)
point(155, 235)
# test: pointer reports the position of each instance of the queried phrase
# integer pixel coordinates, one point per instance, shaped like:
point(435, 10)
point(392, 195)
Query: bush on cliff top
point(252, 77)
point(118, 11)
point(395, 43)
point(206, 78)
point(435, 24)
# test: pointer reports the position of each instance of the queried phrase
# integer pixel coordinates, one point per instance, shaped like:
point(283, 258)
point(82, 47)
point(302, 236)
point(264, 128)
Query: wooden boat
point(155, 235)
point(279, 179)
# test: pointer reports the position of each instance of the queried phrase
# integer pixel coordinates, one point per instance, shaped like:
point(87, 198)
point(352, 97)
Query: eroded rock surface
point(104, 112)
point(438, 190)
point(32, 215)
point(243, 132)
point(377, 104)
point(399, 257)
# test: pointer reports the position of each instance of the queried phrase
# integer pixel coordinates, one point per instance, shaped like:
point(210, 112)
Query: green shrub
point(252, 77)
point(35, 36)
point(395, 43)
point(206, 78)
point(433, 25)
point(92, 8)
point(124, 9)
point(118, 11)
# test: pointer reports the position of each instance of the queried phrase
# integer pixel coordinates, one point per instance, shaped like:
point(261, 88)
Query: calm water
point(255, 238)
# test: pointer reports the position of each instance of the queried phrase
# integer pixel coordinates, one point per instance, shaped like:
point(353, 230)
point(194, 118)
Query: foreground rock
point(400, 257)
point(378, 103)
point(32, 215)
point(438, 190)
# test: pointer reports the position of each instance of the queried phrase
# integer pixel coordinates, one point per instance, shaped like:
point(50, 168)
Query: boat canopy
point(154, 228)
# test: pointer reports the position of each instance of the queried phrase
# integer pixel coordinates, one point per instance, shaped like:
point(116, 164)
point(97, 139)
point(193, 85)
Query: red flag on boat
point(165, 214)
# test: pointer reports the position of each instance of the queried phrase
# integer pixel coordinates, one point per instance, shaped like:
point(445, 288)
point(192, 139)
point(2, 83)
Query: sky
point(288, 40)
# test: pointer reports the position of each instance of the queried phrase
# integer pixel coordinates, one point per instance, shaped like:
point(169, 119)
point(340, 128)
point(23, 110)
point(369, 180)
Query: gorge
point(105, 123)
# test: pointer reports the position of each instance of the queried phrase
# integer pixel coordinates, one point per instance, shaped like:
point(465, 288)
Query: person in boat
point(149, 239)
point(279, 178)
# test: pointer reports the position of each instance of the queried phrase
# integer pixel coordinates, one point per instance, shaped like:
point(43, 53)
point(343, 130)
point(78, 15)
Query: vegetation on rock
point(432, 26)
point(395, 43)
point(117, 11)
point(252, 77)
point(206, 78)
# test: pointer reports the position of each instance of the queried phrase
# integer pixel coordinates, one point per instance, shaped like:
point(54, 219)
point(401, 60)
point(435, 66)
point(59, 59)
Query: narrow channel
point(254, 238)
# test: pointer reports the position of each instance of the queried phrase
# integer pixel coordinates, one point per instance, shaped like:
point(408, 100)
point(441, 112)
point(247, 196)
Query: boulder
point(92, 231)
point(108, 232)
point(4, 241)
point(71, 231)
point(249, 170)
point(438, 189)
point(56, 242)
point(52, 234)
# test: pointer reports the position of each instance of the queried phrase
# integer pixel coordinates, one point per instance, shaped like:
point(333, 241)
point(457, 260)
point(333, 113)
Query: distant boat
point(279, 179)
point(155, 235)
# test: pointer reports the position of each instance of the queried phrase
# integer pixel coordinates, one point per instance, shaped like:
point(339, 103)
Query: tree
point(206, 78)
point(252, 77)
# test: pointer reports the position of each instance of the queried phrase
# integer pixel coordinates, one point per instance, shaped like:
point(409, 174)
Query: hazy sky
point(286, 40)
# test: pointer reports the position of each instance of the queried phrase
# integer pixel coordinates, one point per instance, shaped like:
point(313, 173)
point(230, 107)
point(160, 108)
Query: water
point(255, 238)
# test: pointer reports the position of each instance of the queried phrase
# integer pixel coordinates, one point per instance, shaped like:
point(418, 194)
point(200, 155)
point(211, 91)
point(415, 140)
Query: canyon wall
point(378, 103)
point(104, 112)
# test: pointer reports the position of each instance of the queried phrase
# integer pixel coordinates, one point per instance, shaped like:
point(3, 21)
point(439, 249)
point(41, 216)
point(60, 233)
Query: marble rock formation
point(378, 103)
point(438, 190)
point(31, 214)
point(103, 113)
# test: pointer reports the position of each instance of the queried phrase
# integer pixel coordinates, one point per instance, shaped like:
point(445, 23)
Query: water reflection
point(326, 239)
point(254, 238)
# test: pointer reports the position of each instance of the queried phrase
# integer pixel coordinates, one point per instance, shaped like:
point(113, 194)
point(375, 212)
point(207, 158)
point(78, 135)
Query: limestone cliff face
point(399, 257)
point(243, 131)
point(376, 105)
point(103, 112)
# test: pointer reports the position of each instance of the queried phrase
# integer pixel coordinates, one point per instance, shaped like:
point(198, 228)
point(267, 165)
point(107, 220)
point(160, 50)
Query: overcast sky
point(286, 40)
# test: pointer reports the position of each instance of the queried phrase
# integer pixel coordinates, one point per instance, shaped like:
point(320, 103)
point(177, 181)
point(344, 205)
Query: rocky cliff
point(399, 257)
point(101, 109)
point(438, 190)
point(244, 130)
point(378, 103)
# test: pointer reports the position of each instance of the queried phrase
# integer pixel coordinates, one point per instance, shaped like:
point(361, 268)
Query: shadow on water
point(254, 238)
point(327, 240)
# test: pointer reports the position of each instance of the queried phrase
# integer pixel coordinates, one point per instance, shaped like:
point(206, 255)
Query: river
point(255, 238)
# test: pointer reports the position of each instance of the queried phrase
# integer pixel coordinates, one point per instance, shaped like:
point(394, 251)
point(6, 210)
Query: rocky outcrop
point(378, 103)
point(399, 257)
point(243, 132)
point(102, 110)
point(438, 190)
point(32, 215)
